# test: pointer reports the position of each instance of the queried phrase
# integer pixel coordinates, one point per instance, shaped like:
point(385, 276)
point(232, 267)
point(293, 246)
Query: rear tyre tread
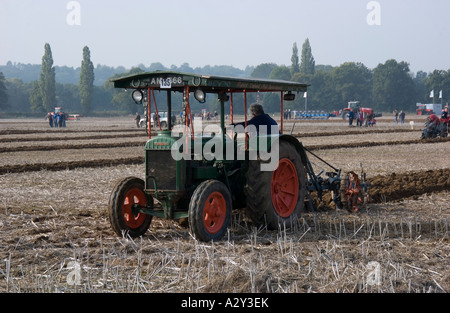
point(258, 191)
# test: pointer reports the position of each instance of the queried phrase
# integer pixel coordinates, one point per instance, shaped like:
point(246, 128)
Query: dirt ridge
point(141, 143)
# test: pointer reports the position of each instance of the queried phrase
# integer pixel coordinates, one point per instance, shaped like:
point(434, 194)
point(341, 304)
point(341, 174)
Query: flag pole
point(306, 101)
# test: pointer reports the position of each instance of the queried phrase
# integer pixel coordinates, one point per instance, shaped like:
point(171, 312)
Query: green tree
point(271, 101)
point(18, 95)
point(47, 84)
point(281, 72)
point(263, 70)
point(445, 88)
point(35, 99)
point(438, 81)
point(353, 82)
point(393, 87)
point(3, 93)
point(307, 65)
point(122, 100)
point(322, 94)
point(86, 84)
point(420, 87)
point(68, 96)
point(295, 65)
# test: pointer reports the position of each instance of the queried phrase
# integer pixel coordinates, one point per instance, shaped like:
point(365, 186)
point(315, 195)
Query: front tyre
point(210, 211)
point(127, 195)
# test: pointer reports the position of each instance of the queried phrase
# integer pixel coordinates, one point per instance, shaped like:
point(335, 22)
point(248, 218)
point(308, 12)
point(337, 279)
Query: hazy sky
point(231, 32)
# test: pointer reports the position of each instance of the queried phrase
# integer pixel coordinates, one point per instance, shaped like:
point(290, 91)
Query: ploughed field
point(55, 232)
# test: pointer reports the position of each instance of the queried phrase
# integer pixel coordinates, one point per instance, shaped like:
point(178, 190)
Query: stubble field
point(55, 234)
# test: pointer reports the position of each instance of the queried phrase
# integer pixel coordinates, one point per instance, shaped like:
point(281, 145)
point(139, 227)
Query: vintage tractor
point(203, 175)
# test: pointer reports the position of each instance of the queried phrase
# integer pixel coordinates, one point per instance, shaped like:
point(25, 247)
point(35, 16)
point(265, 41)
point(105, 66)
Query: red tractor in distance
point(428, 109)
point(356, 106)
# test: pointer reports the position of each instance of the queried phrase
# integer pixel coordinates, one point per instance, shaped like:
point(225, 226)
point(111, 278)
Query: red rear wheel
point(285, 188)
point(276, 198)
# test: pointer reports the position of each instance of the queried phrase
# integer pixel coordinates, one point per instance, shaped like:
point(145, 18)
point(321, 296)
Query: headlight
point(200, 96)
point(137, 96)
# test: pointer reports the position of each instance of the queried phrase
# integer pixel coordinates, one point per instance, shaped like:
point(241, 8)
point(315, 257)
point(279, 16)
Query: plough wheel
point(351, 192)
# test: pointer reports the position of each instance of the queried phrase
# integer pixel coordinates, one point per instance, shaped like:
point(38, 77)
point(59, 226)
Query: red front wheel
point(210, 211)
point(127, 196)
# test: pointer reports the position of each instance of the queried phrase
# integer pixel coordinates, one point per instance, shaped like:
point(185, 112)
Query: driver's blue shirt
point(261, 120)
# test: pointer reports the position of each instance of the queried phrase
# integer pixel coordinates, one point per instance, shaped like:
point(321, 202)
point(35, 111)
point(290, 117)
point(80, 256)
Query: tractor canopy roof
point(177, 81)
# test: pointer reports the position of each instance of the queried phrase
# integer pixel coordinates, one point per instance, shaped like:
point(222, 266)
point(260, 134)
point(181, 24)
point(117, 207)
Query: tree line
point(389, 86)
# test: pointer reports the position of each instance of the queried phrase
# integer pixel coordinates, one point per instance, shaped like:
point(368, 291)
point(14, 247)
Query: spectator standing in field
point(396, 116)
point(64, 119)
point(351, 116)
point(155, 119)
point(360, 119)
point(50, 119)
point(402, 117)
point(55, 120)
point(60, 119)
point(137, 119)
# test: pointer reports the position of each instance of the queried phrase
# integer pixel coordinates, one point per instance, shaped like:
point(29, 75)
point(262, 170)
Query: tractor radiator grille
point(161, 165)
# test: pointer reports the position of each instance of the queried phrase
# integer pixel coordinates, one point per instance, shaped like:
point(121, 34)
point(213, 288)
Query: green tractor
point(203, 176)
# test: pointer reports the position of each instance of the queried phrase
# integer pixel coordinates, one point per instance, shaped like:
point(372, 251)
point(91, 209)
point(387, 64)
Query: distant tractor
point(428, 109)
point(203, 175)
point(356, 106)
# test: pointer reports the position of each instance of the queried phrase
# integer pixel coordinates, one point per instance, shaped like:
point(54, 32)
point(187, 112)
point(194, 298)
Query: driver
point(260, 118)
point(434, 121)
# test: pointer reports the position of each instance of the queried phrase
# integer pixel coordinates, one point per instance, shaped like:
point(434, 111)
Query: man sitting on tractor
point(433, 122)
point(259, 118)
